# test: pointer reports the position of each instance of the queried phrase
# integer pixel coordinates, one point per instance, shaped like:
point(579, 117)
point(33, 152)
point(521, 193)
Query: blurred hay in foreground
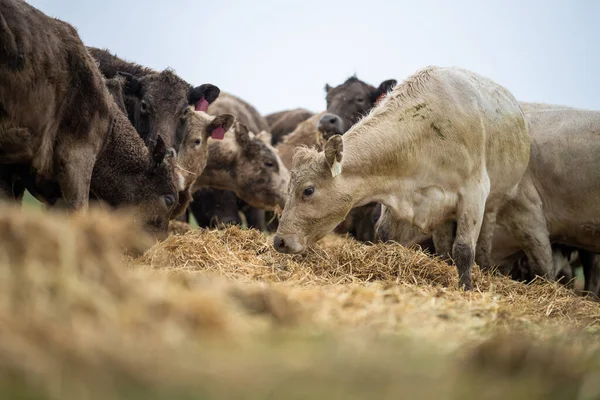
point(387, 286)
point(219, 314)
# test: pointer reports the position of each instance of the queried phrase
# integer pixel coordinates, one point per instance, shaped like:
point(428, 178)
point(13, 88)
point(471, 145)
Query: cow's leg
point(74, 164)
point(483, 254)
point(443, 239)
point(6, 191)
point(11, 188)
point(255, 217)
point(591, 271)
point(468, 224)
point(528, 226)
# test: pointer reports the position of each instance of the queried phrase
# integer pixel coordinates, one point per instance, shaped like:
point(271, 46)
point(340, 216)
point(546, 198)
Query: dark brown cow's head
point(353, 99)
point(156, 102)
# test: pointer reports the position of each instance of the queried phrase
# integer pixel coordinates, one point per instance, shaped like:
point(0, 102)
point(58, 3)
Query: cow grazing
point(61, 133)
point(286, 122)
point(445, 144)
point(346, 104)
point(248, 116)
point(557, 198)
point(248, 166)
point(353, 99)
point(155, 101)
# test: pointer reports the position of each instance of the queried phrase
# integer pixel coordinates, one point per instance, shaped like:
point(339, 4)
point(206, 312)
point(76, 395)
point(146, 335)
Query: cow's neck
point(379, 163)
point(124, 145)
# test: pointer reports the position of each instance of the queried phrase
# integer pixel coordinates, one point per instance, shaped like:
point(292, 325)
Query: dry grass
point(220, 314)
point(387, 287)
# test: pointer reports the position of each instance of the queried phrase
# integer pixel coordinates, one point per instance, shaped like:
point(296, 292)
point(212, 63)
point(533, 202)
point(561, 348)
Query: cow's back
point(305, 134)
point(460, 120)
point(244, 112)
point(287, 122)
point(48, 82)
point(497, 118)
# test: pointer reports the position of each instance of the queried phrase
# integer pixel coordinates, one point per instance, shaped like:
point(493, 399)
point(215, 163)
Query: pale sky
point(279, 54)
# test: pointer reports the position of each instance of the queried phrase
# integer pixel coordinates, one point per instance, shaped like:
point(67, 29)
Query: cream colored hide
point(558, 198)
point(445, 144)
point(193, 150)
point(305, 134)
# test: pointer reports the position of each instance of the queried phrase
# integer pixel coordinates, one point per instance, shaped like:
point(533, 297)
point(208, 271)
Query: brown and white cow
point(247, 165)
point(261, 163)
point(62, 134)
point(446, 143)
point(193, 149)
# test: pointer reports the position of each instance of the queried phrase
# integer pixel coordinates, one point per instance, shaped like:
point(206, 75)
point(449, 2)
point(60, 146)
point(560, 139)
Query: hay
point(348, 284)
point(220, 314)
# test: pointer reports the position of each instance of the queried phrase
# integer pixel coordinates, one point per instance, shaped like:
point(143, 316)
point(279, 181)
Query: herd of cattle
point(447, 159)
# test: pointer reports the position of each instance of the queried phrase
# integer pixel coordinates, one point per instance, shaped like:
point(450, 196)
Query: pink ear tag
point(201, 105)
point(218, 133)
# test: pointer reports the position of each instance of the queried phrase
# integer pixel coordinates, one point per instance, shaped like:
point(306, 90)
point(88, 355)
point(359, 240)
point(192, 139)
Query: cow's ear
point(242, 136)
point(382, 90)
point(202, 96)
point(327, 88)
point(131, 86)
point(219, 125)
point(333, 154)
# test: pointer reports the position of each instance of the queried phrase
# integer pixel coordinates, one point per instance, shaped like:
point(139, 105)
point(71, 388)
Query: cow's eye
point(144, 107)
point(309, 191)
point(198, 141)
point(360, 100)
point(169, 200)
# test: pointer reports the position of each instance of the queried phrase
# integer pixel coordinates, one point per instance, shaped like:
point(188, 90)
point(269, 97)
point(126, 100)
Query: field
point(220, 314)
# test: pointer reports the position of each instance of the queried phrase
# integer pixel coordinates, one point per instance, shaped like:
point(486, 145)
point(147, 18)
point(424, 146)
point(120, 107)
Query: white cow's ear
point(333, 154)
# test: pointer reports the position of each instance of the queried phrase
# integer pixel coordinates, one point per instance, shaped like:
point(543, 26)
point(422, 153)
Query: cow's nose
point(279, 244)
point(331, 124)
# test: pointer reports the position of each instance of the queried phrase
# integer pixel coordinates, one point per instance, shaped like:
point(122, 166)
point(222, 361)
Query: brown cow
point(286, 122)
point(155, 101)
point(353, 99)
point(447, 143)
point(73, 140)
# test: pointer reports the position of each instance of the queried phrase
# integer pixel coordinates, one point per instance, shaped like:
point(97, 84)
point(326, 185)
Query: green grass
point(30, 201)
